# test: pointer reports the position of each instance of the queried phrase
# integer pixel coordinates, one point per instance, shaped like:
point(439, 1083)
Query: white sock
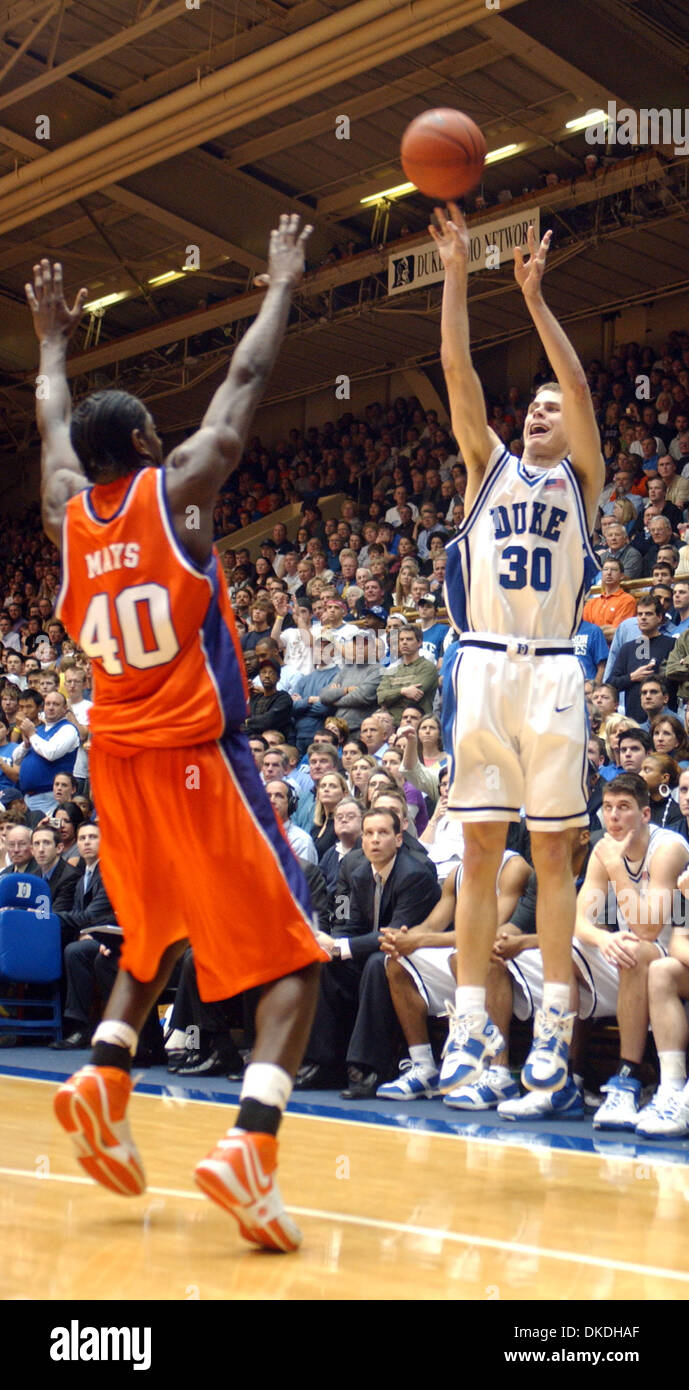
point(470, 999)
point(556, 997)
point(265, 1082)
point(673, 1070)
point(502, 1073)
point(117, 1034)
point(176, 1040)
point(422, 1056)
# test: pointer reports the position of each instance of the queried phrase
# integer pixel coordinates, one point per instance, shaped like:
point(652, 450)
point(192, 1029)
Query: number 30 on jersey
point(96, 636)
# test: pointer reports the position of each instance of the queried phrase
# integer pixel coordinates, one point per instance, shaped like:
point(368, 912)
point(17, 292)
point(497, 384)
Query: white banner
point(492, 245)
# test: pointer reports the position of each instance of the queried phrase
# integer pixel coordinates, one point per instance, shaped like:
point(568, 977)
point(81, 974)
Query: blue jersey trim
point(105, 520)
point(201, 570)
point(480, 498)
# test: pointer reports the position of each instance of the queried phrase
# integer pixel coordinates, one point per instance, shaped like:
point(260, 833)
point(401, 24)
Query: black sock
point(630, 1071)
point(258, 1118)
point(111, 1055)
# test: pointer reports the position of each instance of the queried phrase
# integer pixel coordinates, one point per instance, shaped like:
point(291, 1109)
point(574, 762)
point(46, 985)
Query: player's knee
point(644, 953)
point(552, 853)
point(663, 976)
point(483, 849)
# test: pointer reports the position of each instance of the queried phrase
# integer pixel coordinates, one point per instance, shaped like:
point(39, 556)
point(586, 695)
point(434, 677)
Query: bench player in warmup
point(144, 595)
point(514, 716)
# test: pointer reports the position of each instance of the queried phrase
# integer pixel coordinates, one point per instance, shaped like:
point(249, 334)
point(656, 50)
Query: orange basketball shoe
point(238, 1174)
point(91, 1108)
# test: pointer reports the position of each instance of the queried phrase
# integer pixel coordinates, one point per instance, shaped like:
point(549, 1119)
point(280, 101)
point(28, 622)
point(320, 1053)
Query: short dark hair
point(656, 680)
point(411, 627)
point(635, 736)
point(51, 829)
point(629, 784)
point(648, 601)
point(396, 823)
point(101, 432)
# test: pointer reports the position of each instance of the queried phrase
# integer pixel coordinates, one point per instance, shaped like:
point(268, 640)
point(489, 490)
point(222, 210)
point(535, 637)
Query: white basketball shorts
point(516, 718)
point(432, 973)
point(599, 980)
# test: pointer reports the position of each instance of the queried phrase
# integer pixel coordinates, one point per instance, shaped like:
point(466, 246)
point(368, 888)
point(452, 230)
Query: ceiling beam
point(543, 60)
point(202, 61)
point(347, 42)
point(19, 52)
point(136, 204)
point(353, 268)
point(412, 84)
point(86, 56)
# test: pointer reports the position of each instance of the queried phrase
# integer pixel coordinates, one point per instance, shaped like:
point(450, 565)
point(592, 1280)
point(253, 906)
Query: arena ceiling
point(131, 130)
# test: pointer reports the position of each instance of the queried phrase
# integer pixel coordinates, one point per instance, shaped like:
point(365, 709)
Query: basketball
point(443, 152)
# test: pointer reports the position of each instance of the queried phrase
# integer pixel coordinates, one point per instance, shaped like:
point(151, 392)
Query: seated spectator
point(416, 802)
point(629, 670)
point(661, 775)
point(655, 694)
point(270, 708)
point(620, 549)
point(91, 960)
point(347, 825)
point(283, 800)
point(331, 789)
point(373, 737)
point(322, 757)
point(70, 818)
point(633, 747)
point(433, 632)
point(355, 1024)
point(413, 681)
point(45, 749)
point(591, 649)
point(443, 836)
point(360, 774)
point(668, 736)
point(420, 964)
point(615, 964)
point(46, 847)
point(20, 851)
point(308, 708)
point(614, 603)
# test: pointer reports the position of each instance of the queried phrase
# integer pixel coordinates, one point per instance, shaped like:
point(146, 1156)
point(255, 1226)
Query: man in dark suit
point(46, 844)
point(91, 960)
point(383, 885)
point(19, 849)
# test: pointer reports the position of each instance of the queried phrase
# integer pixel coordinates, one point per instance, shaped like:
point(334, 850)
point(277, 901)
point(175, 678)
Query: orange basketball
point(443, 152)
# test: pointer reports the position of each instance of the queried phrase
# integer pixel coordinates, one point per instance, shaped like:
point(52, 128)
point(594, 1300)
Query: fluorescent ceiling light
point(503, 153)
point(396, 192)
point(167, 277)
point(107, 300)
point(590, 118)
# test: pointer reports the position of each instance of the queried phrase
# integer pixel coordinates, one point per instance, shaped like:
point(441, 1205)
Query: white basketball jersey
point(642, 874)
point(522, 561)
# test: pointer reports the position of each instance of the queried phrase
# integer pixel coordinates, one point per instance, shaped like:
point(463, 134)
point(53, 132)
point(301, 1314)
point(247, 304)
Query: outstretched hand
point(528, 274)
point(452, 240)
point(286, 252)
point(52, 317)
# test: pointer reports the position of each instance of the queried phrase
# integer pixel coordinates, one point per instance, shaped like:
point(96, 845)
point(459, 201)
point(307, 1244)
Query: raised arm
point(467, 407)
point(197, 468)
point(577, 407)
point(54, 323)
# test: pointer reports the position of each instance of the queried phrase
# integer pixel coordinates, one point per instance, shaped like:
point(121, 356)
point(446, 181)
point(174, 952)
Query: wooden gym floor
point(387, 1213)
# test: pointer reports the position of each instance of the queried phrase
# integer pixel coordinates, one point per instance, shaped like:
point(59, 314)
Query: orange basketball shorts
point(191, 847)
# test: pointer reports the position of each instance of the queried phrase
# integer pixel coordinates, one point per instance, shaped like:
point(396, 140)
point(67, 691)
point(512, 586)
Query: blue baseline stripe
point(564, 1135)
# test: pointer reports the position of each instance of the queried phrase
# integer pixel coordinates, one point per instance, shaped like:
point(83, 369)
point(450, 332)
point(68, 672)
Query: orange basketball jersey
point(158, 628)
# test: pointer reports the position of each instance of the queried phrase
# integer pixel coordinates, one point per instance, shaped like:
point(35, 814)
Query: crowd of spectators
point(347, 645)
